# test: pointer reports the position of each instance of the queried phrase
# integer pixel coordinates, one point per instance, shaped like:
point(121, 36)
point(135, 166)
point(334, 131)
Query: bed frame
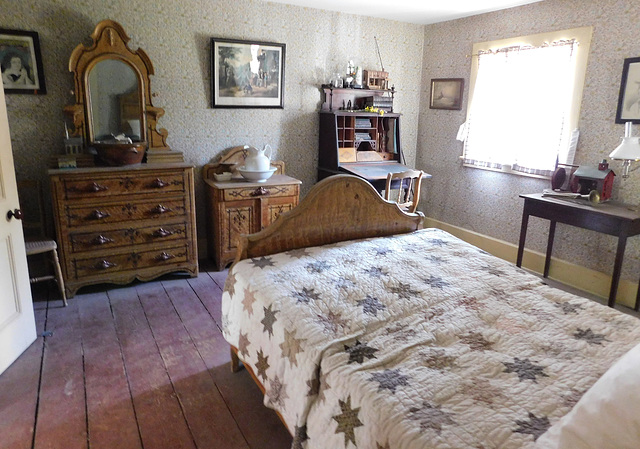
point(338, 208)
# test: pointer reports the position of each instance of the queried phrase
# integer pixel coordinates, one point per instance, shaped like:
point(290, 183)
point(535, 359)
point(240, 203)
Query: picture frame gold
point(446, 93)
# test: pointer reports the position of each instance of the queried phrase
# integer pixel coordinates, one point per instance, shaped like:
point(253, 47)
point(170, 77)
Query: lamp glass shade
point(629, 149)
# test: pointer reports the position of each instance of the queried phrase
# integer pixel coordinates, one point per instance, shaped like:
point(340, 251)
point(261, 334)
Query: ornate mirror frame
point(110, 42)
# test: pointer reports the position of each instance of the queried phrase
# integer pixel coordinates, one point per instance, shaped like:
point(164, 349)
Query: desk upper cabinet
point(356, 137)
point(349, 136)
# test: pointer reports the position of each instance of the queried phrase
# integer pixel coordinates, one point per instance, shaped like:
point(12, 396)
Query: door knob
point(14, 213)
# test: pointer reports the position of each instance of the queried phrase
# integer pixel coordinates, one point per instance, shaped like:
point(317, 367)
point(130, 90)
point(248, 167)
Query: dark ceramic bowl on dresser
point(118, 154)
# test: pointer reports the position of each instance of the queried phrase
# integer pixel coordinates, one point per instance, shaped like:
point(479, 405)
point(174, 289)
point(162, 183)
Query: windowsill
point(508, 171)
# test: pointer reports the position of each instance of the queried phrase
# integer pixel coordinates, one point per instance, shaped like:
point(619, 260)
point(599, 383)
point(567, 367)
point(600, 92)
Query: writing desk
point(612, 218)
point(376, 172)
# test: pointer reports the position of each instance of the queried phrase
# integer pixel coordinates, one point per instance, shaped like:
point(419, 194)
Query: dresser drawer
point(97, 186)
point(245, 193)
point(114, 238)
point(134, 260)
point(119, 212)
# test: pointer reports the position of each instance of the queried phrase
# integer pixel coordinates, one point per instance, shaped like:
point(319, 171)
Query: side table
point(240, 207)
point(612, 218)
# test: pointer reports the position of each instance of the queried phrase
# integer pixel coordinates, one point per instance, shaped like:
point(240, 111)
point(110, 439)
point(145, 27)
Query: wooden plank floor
point(138, 366)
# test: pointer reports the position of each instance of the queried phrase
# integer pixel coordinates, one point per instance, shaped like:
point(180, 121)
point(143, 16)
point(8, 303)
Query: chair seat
point(39, 246)
point(34, 227)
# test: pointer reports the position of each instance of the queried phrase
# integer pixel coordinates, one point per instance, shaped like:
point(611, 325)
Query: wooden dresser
point(117, 224)
point(238, 206)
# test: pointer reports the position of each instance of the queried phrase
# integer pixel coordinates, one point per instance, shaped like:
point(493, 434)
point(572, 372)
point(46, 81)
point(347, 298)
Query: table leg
point(547, 259)
point(617, 268)
point(523, 235)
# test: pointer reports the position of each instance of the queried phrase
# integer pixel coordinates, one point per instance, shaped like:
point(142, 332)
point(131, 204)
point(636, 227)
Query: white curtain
point(519, 109)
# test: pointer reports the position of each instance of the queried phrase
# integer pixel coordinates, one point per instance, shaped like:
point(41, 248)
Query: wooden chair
point(35, 232)
point(407, 185)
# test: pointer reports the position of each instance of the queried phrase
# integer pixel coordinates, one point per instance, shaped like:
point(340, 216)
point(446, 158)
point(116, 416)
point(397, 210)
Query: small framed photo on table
point(446, 93)
point(629, 97)
point(247, 74)
point(21, 62)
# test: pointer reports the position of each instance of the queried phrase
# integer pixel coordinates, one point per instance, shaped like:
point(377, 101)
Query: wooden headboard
point(338, 208)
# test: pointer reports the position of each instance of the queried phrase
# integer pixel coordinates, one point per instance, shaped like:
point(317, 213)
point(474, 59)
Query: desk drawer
point(248, 193)
point(115, 238)
point(120, 212)
point(96, 186)
point(134, 260)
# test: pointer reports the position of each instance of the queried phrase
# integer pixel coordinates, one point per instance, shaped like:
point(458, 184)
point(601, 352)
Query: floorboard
point(62, 415)
point(19, 386)
point(142, 366)
point(109, 404)
point(157, 408)
point(243, 399)
point(204, 410)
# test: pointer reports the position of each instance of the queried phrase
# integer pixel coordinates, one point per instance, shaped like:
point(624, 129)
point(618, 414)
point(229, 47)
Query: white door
point(17, 321)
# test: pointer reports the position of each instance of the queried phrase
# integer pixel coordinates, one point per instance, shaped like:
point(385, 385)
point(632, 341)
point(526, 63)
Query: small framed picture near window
point(446, 93)
point(247, 74)
point(21, 62)
point(629, 98)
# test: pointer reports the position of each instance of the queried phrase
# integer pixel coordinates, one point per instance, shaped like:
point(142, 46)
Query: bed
point(364, 330)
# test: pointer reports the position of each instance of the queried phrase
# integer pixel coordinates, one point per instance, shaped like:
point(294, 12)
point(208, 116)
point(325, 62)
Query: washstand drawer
point(130, 211)
point(247, 193)
point(115, 263)
point(97, 186)
point(114, 238)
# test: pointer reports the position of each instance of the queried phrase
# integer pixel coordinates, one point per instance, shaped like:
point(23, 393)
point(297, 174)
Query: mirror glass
point(114, 95)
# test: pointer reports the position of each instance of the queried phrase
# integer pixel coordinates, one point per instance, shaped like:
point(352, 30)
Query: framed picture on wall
point(629, 97)
point(247, 74)
point(21, 62)
point(446, 93)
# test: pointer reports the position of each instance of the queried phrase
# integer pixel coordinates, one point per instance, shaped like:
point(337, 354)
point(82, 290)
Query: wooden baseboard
point(576, 276)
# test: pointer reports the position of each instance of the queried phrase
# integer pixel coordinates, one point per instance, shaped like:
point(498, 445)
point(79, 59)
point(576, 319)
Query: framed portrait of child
point(21, 62)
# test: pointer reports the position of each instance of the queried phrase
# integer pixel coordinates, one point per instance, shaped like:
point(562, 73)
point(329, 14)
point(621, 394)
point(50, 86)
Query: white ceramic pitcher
point(257, 160)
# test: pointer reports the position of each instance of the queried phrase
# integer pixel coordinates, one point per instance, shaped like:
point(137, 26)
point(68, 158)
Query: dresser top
point(135, 167)
point(239, 181)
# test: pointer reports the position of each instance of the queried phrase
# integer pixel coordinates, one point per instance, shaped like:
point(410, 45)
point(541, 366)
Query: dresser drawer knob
point(160, 209)
point(161, 232)
point(260, 191)
point(95, 187)
point(105, 264)
point(101, 240)
point(91, 188)
point(98, 215)
point(165, 256)
point(159, 183)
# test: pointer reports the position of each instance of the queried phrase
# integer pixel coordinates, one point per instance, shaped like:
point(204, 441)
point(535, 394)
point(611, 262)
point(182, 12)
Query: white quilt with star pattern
point(415, 341)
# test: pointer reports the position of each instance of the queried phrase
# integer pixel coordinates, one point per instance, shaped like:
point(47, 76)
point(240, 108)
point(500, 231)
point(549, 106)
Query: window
point(525, 101)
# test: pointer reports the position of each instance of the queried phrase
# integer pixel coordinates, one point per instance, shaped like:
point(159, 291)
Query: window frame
point(583, 35)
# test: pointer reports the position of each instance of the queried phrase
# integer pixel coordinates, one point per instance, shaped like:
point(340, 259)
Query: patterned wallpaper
point(176, 35)
point(488, 202)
